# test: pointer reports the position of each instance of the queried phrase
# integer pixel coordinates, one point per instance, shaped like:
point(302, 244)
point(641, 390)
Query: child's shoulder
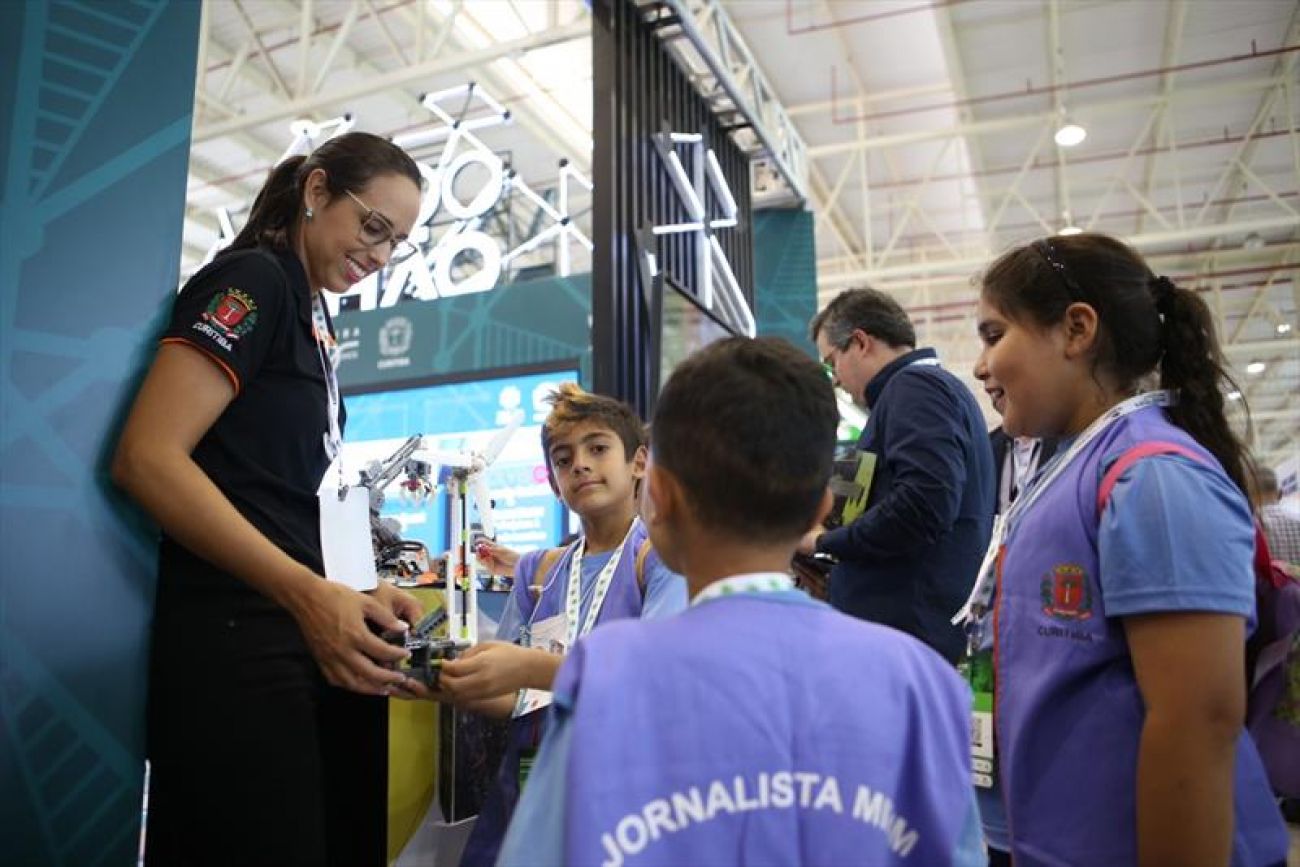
point(842, 639)
point(732, 639)
point(836, 626)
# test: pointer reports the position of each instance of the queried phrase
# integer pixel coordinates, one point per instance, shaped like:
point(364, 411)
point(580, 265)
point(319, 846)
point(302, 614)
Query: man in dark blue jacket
point(909, 561)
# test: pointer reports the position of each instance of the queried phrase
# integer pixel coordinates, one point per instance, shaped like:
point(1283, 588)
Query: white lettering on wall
point(438, 271)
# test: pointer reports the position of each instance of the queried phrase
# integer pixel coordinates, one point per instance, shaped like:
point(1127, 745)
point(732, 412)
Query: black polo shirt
point(250, 313)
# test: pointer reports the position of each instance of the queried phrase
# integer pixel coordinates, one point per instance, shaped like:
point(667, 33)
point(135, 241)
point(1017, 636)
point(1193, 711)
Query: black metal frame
point(639, 91)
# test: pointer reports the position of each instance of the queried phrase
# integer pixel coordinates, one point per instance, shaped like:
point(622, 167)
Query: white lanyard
point(573, 594)
point(1006, 481)
point(978, 601)
point(321, 331)
point(1018, 467)
point(1023, 462)
point(756, 582)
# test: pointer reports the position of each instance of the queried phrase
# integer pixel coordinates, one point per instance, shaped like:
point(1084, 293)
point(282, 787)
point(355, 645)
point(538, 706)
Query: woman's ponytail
point(275, 209)
point(1192, 365)
point(349, 161)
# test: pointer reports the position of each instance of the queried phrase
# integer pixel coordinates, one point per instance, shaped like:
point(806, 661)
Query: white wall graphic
point(433, 272)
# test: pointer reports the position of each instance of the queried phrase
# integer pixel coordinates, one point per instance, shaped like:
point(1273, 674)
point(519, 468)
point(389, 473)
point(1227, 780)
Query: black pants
point(254, 758)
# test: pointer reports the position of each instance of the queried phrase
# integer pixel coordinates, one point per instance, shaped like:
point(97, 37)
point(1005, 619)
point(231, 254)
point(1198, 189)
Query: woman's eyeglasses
point(376, 230)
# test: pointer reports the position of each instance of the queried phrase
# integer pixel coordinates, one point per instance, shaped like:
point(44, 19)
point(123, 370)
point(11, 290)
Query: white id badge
point(345, 539)
point(548, 635)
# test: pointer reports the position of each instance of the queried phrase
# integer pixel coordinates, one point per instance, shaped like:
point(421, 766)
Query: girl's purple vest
point(623, 600)
point(762, 729)
point(1068, 712)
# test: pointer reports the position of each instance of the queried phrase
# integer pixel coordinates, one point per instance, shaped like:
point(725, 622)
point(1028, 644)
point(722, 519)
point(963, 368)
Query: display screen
point(686, 328)
point(453, 417)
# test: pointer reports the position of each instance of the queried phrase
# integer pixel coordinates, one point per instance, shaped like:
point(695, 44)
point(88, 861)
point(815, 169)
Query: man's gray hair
point(869, 310)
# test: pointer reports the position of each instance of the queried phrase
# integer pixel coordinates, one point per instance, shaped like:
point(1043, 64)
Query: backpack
point(1272, 652)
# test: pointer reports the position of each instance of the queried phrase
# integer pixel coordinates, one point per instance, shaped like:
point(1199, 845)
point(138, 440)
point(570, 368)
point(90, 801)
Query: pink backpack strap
point(1132, 456)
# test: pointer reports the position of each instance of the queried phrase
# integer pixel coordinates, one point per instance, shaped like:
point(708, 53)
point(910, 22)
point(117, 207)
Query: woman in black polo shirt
point(265, 742)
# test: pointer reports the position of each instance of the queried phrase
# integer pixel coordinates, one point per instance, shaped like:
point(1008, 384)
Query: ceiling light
point(1069, 133)
point(1070, 230)
point(1284, 328)
point(1255, 368)
point(1234, 395)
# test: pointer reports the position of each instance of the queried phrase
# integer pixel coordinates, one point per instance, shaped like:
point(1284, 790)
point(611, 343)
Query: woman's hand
point(403, 605)
point(336, 620)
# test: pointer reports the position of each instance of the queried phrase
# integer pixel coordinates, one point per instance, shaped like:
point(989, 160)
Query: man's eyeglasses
point(828, 361)
point(376, 230)
point(1048, 252)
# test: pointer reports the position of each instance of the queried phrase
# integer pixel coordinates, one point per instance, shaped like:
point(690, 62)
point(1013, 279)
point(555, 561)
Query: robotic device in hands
point(404, 561)
point(427, 653)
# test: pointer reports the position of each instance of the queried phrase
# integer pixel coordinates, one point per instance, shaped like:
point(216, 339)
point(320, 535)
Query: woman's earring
point(309, 213)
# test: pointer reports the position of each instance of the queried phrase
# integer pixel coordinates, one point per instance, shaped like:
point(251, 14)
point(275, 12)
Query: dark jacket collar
point(881, 379)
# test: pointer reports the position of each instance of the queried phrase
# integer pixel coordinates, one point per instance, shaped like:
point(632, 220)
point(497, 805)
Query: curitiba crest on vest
point(1066, 594)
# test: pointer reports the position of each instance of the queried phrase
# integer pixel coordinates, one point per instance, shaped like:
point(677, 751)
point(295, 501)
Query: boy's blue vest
point(621, 601)
point(1068, 713)
point(763, 729)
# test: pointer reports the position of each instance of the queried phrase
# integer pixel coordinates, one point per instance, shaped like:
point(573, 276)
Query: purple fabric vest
point(1068, 713)
point(622, 601)
point(762, 729)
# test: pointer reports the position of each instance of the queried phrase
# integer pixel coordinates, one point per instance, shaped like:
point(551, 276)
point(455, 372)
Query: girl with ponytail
point(266, 743)
point(1109, 629)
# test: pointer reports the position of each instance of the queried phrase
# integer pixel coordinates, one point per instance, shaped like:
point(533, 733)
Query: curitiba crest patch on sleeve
point(232, 311)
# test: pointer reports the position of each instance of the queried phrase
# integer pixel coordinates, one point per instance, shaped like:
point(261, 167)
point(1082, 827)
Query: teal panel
point(536, 322)
point(785, 275)
point(95, 100)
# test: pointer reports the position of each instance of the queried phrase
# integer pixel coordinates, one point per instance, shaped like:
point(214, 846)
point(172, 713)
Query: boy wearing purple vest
point(760, 726)
point(596, 455)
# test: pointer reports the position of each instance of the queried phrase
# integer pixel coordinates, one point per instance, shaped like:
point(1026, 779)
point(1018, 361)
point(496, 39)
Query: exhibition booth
point(538, 265)
point(607, 187)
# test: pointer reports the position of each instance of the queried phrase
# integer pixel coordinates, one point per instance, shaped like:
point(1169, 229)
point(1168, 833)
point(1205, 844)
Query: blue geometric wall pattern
point(785, 275)
point(95, 103)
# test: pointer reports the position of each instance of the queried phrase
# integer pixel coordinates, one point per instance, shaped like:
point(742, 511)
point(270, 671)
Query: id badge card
point(346, 548)
point(978, 671)
point(548, 635)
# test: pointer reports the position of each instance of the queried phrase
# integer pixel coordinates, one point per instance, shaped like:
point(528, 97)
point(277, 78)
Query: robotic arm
point(396, 558)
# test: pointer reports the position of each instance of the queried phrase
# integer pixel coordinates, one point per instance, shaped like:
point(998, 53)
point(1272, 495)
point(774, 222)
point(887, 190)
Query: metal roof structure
point(921, 134)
